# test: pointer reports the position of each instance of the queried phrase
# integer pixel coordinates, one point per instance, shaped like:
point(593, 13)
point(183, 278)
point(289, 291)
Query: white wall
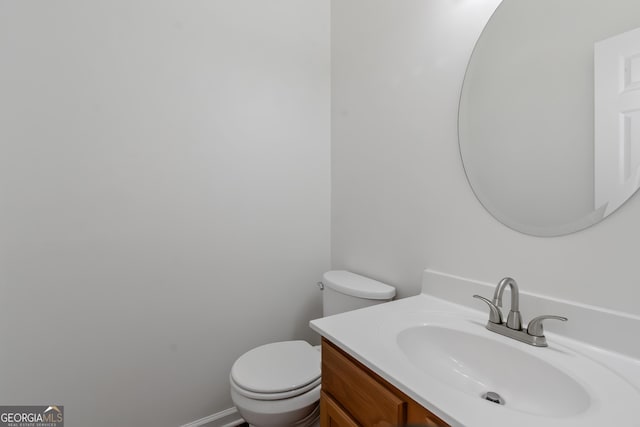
point(164, 197)
point(400, 199)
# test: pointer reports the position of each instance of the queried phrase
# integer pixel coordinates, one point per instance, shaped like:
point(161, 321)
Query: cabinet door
point(419, 416)
point(332, 415)
point(368, 402)
point(353, 396)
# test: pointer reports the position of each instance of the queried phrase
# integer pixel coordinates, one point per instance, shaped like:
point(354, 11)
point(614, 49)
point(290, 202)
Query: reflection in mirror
point(617, 119)
point(549, 119)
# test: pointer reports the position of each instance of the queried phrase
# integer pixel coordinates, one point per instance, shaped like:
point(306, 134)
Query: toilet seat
point(274, 396)
point(277, 371)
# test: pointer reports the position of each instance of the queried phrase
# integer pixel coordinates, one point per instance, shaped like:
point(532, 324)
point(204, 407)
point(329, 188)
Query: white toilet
point(278, 384)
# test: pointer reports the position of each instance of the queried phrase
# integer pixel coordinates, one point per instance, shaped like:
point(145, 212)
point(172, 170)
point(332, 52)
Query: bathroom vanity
point(353, 395)
point(430, 360)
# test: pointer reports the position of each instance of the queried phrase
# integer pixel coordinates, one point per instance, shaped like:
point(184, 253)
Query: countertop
point(369, 335)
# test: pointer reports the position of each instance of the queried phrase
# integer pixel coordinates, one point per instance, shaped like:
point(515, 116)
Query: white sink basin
point(454, 355)
point(476, 365)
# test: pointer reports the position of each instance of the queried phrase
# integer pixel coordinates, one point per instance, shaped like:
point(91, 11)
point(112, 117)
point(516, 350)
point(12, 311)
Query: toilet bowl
point(278, 384)
point(302, 411)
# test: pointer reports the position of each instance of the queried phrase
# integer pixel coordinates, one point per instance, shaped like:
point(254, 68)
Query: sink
point(442, 356)
point(475, 364)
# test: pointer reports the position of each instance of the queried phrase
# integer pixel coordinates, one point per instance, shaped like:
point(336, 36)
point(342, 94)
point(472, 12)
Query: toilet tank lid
point(355, 285)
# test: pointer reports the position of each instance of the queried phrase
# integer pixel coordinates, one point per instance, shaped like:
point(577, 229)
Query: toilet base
point(311, 420)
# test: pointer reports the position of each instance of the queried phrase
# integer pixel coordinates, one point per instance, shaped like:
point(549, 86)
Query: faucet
point(512, 328)
point(514, 318)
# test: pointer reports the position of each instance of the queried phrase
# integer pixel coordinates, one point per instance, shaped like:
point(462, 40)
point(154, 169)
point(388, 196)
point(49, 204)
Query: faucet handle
point(535, 325)
point(495, 315)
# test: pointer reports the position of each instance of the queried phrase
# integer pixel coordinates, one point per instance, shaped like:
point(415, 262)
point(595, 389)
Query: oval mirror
point(549, 116)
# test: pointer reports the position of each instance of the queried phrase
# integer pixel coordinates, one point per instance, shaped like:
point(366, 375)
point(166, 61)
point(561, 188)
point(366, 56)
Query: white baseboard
point(227, 418)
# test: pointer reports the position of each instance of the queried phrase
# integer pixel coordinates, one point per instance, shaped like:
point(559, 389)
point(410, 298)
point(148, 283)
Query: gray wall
point(400, 199)
point(164, 198)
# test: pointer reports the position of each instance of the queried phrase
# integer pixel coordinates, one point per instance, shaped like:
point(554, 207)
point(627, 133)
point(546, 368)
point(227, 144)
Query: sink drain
point(493, 397)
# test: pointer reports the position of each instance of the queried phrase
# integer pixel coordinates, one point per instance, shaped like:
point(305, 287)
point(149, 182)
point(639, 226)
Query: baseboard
point(227, 418)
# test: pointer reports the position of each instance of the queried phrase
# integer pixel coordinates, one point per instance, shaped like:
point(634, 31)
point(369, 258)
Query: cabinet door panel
point(332, 415)
point(359, 397)
point(420, 416)
point(369, 402)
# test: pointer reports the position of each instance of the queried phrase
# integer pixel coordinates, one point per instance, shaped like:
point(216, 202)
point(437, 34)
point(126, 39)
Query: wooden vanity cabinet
point(354, 396)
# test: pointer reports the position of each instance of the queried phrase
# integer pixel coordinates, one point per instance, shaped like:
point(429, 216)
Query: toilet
point(278, 384)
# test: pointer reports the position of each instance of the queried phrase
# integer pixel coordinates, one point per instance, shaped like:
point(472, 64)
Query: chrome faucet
point(512, 328)
point(514, 318)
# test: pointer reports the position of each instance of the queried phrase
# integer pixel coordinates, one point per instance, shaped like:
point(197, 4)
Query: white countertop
point(369, 335)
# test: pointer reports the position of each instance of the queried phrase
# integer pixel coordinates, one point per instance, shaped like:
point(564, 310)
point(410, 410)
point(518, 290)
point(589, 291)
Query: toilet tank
point(346, 291)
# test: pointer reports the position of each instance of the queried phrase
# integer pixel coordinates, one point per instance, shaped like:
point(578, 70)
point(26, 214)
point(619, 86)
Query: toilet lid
point(277, 367)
